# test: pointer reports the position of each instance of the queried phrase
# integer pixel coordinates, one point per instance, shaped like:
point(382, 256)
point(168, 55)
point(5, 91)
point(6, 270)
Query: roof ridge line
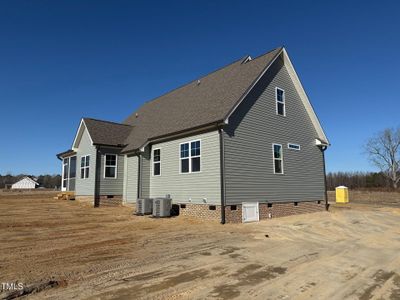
point(194, 80)
point(261, 55)
point(216, 70)
point(104, 121)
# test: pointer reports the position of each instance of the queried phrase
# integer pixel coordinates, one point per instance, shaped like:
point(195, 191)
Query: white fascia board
point(307, 104)
point(299, 89)
point(79, 133)
point(318, 142)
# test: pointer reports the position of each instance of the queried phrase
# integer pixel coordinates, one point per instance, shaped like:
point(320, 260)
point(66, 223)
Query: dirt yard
point(63, 250)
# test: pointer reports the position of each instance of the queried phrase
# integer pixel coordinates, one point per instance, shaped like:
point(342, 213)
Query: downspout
point(97, 178)
point(69, 169)
point(222, 173)
point(139, 189)
point(323, 148)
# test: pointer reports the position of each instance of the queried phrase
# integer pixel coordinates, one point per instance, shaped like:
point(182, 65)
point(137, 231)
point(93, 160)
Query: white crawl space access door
point(250, 212)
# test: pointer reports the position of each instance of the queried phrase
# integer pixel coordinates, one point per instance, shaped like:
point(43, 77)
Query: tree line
point(383, 151)
point(46, 181)
point(357, 180)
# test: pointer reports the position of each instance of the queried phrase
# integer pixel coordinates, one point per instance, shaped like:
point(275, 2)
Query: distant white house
point(25, 183)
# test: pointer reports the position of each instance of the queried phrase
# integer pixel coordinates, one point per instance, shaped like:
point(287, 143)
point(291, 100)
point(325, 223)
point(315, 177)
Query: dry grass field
point(63, 250)
point(374, 198)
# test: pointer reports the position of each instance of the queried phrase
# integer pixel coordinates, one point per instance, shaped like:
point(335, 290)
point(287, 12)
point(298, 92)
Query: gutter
point(65, 154)
point(175, 135)
point(109, 145)
point(222, 173)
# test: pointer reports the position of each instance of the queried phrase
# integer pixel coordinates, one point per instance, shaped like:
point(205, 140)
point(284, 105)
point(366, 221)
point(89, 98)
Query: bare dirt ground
point(63, 250)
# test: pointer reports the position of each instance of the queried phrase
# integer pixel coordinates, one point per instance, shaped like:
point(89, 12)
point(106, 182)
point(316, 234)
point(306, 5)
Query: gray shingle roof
point(107, 133)
point(69, 152)
point(200, 102)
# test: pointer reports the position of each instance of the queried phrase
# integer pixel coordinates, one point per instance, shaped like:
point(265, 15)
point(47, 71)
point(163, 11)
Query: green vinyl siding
point(131, 178)
point(111, 186)
point(85, 186)
point(195, 186)
point(254, 128)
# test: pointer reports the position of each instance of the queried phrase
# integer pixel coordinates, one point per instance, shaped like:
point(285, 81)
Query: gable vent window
point(278, 158)
point(294, 146)
point(280, 102)
point(156, 162)
point(110, 166)
point(85, 163)
point(190, 157)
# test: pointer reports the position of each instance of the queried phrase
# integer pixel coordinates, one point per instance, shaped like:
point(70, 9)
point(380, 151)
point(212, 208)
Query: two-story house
point(242, 142)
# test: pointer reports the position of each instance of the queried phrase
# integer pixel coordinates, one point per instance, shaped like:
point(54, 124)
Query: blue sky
point(62, 60)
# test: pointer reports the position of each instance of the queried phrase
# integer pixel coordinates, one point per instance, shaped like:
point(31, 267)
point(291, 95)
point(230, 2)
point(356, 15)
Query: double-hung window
point(278, 158)
point(280, 102)
point(85, 162)
point(190, 157)
point(110, 166)
point(156, 162)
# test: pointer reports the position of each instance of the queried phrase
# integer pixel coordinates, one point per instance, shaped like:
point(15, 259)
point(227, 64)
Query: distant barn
point(25, 183)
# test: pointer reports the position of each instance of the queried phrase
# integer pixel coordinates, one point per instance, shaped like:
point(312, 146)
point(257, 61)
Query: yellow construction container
point(342, 194)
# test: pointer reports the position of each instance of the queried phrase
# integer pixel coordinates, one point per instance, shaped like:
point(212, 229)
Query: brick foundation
point(287, 209)
point(201, 211)
point(233, 213)
point(103, 201)
point(87, 200)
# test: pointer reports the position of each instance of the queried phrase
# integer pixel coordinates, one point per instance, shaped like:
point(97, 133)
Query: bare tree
point(383, 151)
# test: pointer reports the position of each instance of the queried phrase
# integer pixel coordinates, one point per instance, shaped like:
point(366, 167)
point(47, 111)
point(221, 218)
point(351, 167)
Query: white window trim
point(116, 166)
point(62, 175)
point(276, 102)
point(68, 178)
point(154, 162)
point(84, 167)
point(293, 144)
point(281, 159)
point(190, 157)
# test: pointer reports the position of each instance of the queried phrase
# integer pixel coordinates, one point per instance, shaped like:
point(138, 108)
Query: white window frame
point(84, 167)
point(64, 166)
point(68, 178)
point(273, 158)
point(283, 102)
point(69, 169)
point(105, 165)
point(297, 147)
point(190, 157)
point(155, 162)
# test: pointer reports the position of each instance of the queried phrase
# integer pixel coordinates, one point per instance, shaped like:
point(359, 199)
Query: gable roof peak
point(102, 132)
